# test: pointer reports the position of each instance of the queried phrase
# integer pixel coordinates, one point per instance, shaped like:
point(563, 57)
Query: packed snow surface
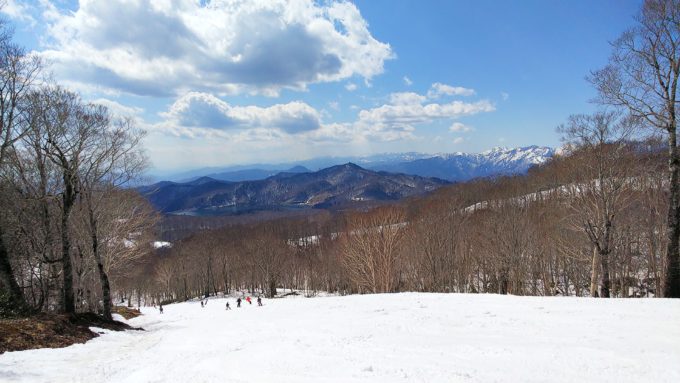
point(377, 338)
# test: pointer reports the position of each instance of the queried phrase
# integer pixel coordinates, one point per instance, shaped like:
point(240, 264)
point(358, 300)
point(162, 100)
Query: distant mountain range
point(464, 166)
point(249, 174)
point(450, 166)
point(328, 188)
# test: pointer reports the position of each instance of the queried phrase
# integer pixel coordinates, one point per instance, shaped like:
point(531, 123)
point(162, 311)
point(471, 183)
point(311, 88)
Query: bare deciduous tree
point(115, 160)
point(602, 178)
point(372, 247)
point(642, 77)
point(18, 72)
point(70, 131)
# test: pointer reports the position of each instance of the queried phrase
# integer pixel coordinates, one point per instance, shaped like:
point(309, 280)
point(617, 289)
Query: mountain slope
point(331, 187)
point(253, 174)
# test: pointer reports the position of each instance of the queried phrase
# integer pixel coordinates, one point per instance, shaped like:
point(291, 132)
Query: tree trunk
point(7, 281)
point(652, 269)
point(594, 274)
point(186, 292)
point(672, 271)
point(503, 282)
point(103, 278)
point(68, 201)
point(272, 288)
point(604, 278)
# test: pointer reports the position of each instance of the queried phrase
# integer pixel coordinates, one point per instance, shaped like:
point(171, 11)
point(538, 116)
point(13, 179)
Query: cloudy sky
point(221, 82)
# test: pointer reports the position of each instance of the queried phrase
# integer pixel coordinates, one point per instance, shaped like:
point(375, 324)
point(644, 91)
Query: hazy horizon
point(178, 172)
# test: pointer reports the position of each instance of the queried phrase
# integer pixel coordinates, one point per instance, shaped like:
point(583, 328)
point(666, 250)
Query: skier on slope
point(160, 308)
point(248, 299)
point(228, 307)
point(259, 301)
point(201, 303)
point(238, 302)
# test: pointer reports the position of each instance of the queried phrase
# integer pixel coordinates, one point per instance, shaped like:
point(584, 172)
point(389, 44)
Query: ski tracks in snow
point(408, 337)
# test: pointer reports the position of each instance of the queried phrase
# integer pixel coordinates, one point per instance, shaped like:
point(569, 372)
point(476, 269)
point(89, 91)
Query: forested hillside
point(536, 234)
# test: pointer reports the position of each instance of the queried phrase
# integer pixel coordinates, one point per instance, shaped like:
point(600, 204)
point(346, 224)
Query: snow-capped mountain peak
point(528, 155)
point(464, 166)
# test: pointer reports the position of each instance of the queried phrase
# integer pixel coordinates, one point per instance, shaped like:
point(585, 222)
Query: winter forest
point(601, 219)
point(551, 232)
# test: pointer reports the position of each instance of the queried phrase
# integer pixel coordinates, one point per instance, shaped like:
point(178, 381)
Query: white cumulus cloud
point(406, 98)
point(17, 10)
point(205, 115)
point(420, 113)
point(170, 47)
point(458, 127)
point(438, 89)
point(205, 111)
point(399, 118)
point(117, 109)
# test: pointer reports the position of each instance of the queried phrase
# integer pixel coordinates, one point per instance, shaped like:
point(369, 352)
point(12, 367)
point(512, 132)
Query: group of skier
point(238, 303)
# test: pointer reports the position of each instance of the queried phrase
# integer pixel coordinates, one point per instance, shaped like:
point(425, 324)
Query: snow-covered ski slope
point(408, 337)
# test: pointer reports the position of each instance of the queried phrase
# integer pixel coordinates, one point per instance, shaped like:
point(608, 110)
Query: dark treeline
point(176, 227)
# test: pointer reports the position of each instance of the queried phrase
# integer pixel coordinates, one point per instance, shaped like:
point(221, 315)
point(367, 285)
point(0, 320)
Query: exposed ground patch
point(52, 330)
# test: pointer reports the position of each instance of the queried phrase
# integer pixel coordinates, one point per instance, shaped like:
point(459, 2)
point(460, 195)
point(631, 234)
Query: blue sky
point(232, 82)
